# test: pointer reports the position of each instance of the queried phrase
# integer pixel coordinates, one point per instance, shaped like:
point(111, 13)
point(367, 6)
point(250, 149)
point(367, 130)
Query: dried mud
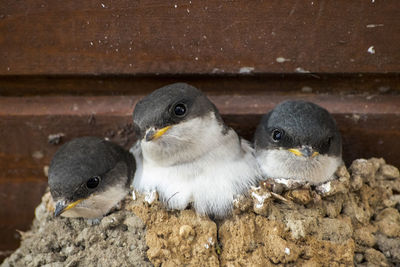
point(353, 220)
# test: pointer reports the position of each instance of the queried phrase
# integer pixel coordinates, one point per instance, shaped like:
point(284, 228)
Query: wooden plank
point(212, 84)
point(108, 115)
point(198, 37)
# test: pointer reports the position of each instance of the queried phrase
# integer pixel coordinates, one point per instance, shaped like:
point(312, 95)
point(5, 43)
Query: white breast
point(282, 164)
point(209, 169)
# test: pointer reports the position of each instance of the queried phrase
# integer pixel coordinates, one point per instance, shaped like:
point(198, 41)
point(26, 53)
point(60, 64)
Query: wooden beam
point(197, 37)
point(355, 83)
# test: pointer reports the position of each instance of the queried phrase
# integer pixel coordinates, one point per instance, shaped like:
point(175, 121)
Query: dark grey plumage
point(309, 135)
point(82, 159)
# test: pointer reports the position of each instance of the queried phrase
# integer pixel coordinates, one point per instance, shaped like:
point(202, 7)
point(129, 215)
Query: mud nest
point(353, 220)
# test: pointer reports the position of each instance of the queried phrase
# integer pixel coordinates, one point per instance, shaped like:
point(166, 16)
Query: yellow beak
point(304, 152)
point(61, 206)
point(154, 134)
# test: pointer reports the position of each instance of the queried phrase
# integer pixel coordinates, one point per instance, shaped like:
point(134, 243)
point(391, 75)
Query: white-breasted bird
point(298, 142)
point(188, 154)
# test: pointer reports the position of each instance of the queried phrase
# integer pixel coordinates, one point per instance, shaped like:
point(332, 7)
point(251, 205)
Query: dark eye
point(180, 110)
point(93, 182)
point(277, 135)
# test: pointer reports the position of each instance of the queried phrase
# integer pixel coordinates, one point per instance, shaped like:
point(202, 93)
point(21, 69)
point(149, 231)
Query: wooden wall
point(78, 67)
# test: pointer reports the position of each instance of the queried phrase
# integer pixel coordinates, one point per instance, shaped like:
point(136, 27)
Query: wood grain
point(197, 37)
point(356, 83)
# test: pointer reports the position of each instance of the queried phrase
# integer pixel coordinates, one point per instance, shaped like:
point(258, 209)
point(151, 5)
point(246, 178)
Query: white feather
point(287, 168)
point(194, 162)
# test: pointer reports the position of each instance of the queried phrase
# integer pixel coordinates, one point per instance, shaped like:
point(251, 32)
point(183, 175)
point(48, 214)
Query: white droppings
point(187, 10)
point(91, 43)
point(356, 117)
point(281, 59)
point(217, 70)
point(150, 196)
point(244, 70)
point(196, 58)
point(286, 182)
point(374, 25)
point(130, 65)
point(372, 1)
point(325, 188)
point(287, 251)
point(176, 6)
point(301, 70)
point(306, 89)
point(103, 5)
point(8, 68)
point(210, 243)
point(371, 50)
point(116, 50)
point(133, 195)
point(37, 155)
point(260, 198)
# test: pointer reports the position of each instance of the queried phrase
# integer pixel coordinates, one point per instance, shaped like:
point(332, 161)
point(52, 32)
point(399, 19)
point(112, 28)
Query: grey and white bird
point(188, 154)
point(88, 176)
point(298, 142)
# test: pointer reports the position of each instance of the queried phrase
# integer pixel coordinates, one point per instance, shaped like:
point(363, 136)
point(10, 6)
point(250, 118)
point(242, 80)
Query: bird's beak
point(62, 206)
point(153, 134)
point(304, 151)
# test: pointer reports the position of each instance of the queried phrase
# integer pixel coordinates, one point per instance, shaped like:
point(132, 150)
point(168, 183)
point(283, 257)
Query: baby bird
point(88, 176)
point(298, 142)
point(188, 155)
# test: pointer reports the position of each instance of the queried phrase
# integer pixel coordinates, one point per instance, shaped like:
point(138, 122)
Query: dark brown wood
point(213, 84)
point(197, 37)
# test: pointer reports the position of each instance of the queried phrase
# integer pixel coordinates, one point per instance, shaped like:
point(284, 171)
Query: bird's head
point(173, 119)
point(302, 128)
point(86, 171)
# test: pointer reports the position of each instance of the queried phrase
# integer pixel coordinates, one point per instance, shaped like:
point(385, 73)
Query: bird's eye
point(93, 182)
point(277, 135)
point(180, 109)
